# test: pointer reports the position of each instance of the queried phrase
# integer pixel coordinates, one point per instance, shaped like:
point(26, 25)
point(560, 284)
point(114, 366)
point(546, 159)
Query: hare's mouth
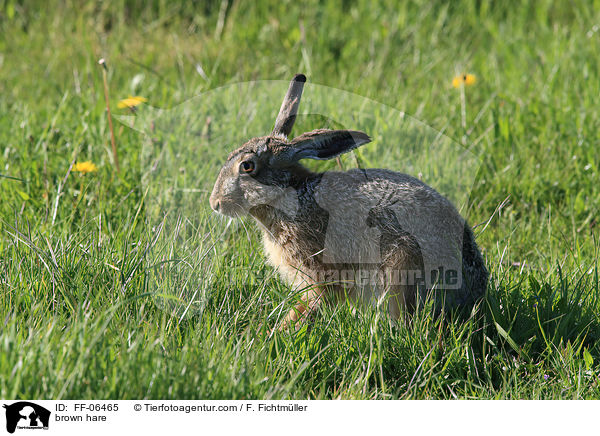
point(227, 209)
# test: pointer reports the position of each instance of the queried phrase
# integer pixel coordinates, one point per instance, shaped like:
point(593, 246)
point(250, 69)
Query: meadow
point(102, 298)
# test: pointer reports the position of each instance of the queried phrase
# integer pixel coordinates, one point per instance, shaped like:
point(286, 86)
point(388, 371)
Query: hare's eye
point(247, 166)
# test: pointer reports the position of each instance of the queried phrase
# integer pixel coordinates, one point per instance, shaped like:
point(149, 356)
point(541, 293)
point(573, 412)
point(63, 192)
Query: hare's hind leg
point(402, 276)
point(400, 299)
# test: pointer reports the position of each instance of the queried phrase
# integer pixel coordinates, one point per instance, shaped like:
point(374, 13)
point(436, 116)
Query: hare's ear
point(325, 144)
point(289, 107)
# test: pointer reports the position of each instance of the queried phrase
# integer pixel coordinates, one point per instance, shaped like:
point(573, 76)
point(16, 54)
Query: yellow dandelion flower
point(131, 102)
point(464, 79)
point(85, 167)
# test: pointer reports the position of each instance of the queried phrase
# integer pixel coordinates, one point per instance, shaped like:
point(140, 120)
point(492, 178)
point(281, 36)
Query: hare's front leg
point(310, 300)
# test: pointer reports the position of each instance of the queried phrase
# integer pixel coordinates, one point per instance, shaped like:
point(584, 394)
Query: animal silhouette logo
point(26, 415)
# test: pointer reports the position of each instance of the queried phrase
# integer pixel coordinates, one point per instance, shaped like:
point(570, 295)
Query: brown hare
point(369, 234)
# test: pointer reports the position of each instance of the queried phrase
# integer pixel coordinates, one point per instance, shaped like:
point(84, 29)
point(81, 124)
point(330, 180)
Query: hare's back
point(364, 205)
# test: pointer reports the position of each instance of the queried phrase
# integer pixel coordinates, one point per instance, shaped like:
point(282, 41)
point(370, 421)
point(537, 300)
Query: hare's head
point(266, 169)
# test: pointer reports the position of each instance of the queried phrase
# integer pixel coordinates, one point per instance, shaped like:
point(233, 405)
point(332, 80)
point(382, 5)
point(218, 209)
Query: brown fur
point(318, 227)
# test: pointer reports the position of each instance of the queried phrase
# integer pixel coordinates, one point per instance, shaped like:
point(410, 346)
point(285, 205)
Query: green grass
point(88, 271)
